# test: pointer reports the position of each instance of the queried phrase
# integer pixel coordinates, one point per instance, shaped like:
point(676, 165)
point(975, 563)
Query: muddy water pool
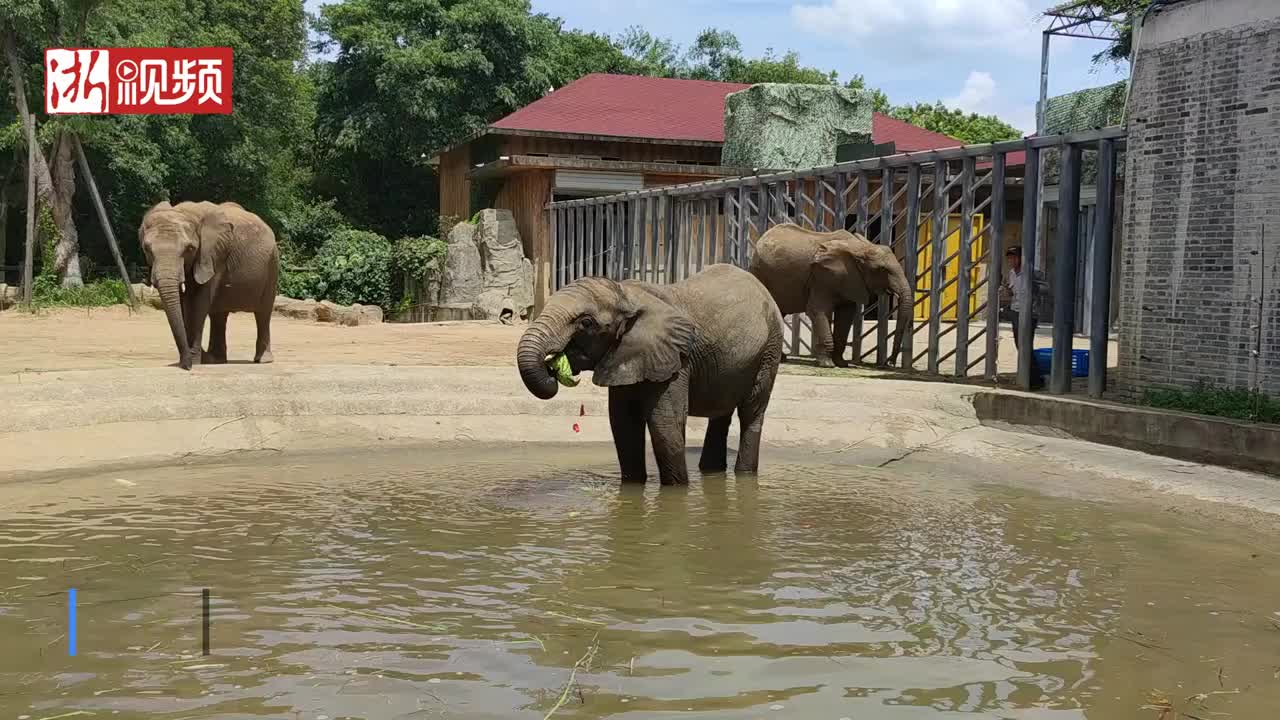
point(526, 583)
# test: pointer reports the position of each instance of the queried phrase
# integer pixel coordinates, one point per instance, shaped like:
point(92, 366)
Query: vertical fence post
point(655, 201)
point(610, 246)
point(966, 263)
point(864, 212)
point(995, 255)
point(842, 203)
point(910, 258)
point(713, 235)
point(556, 251)
point(886, 239)
point(762, 220)
point(601, 241)
point(937, 253)
point(730, 226)
point(819, 212)
point(1064, 291)
point(703, 215)
point(1101, 309)
point(797, 202)
point(674, 241)
point(1030, 214)
point(744, 218)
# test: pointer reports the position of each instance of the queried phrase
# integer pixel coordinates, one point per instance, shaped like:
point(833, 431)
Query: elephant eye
point(586, 322)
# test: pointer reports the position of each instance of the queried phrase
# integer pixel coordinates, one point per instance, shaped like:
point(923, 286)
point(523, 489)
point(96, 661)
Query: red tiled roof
point(629, 106)
point(666, 109)
point(907, 137)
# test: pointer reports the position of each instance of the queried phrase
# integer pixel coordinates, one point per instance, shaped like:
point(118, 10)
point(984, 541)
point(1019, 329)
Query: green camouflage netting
point(775, 126)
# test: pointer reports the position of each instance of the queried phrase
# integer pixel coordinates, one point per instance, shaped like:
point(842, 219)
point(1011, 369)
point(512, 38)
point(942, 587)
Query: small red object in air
point(576, 428)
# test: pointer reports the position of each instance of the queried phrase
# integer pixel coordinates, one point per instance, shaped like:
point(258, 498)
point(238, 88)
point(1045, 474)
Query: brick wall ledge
point(1198, 438)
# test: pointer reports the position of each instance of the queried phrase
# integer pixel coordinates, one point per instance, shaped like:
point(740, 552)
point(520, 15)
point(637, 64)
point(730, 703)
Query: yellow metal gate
point(924, 266)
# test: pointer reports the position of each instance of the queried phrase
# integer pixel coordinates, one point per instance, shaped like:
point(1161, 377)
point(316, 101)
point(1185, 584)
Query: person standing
point(1014, 290)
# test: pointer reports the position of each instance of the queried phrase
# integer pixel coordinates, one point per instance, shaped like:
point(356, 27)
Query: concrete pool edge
point(1215, 441)
point(70, 421)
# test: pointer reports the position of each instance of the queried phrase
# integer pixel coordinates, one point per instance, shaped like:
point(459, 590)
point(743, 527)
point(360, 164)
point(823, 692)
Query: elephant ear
point(215, 232)
point(654, 339)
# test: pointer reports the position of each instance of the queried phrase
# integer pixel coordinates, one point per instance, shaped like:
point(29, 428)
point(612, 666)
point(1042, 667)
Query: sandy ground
point(113, 337)
point(95, 338)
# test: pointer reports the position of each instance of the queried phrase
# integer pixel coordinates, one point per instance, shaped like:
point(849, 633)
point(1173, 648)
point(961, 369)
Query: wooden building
point(602, 135)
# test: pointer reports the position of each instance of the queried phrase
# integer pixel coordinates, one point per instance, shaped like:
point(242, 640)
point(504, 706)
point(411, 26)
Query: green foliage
point(418, 257)
point(306, 226)
point(47, 292)
point(412, 77)
point(298, 282)
point(970, 128)
point(354, 266)
point(879, 101)
point(1208, 399)
point(1129, 11)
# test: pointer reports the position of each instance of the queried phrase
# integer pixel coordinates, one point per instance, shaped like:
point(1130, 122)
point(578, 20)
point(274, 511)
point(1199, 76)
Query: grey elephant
point(705, 347)
point(208, 261)
point(820, 273)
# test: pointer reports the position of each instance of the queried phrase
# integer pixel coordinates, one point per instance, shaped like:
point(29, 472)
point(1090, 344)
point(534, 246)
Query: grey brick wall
point(1203, 186)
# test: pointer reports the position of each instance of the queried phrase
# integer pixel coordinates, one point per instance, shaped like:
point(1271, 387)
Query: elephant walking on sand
point(707, 346)
point(820, 273)
point(208, 261)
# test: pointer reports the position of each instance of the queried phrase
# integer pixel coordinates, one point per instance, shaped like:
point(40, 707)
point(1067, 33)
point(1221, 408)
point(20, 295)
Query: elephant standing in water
point(209, 260)
point(705, 347)
point(817, 273)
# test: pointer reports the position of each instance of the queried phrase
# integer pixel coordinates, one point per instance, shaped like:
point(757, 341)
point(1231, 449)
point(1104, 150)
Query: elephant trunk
point(906, 309)
point(546, 334)
point(172, 299)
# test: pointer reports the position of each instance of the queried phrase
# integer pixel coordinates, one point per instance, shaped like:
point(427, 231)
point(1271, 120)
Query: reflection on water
point(416, 584)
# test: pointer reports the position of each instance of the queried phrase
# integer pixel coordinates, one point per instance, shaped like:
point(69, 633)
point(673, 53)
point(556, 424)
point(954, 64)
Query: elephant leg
point(751, 419)
point(201, 300)
point(217, 338)
point(820, 321)
point(715, 447)
point(627, 421)
point(845, 315)
point(262, 354)
point(667, 413)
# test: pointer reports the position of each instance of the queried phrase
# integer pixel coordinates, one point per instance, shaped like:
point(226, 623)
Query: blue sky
point(979, 55)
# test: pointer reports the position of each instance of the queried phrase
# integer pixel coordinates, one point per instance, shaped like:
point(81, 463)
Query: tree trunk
point(67, 252)
point(68, 262)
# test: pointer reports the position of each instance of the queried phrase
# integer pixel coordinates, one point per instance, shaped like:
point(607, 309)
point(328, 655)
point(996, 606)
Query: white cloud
point(978, 90)
point(1011, 25)
point(980, 95)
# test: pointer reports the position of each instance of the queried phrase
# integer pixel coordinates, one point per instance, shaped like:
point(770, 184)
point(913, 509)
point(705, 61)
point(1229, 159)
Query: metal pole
point(744, 218)
point(762, 222)
point(650, 272)
point(964, 250)
point(1044, 80)
point(554, 215)
point(703, 206)
point(864, 208)
point(1030, 205)
point(842, 203)
point(910, 255)
point(886, 239)
point(1102, 225)
point(28, 261)
point(102, 216)
point(1064, 292)
point(713, 233)
point(995, 270)
point(937, 252)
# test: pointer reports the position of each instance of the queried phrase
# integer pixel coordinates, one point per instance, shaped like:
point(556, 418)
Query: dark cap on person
point(1015, 250)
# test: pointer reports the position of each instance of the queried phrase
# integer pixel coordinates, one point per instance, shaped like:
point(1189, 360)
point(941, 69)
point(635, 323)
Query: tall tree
point(26, 28)
point(410, 78)
point(970, 128)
